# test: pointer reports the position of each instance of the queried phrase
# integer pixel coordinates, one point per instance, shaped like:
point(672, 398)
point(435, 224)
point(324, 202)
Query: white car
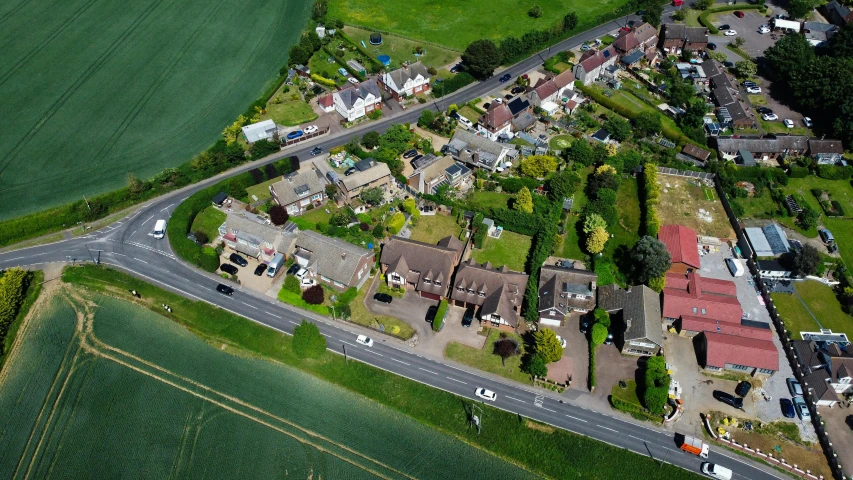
point(562, 341)
point(730, 33)
point(486, 394)
point(353, 80)
point(716, 471)
point(311, 129)
point(764, 29)
point(753, 89)
point(807, 122)
point(364, 340)
point(769, 117)
point(788, 123)
point(301, 273)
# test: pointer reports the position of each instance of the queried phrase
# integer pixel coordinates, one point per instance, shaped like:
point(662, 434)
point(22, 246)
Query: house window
point(317, 196)
point(703, 311)
point(695, 309)
point(427, 281)
point(551, 312)
point(460, 289)
point(764, 370)
point(437, 283)
point(481, 294)
point(325, 279)
point(470, 290)
point(339, 284)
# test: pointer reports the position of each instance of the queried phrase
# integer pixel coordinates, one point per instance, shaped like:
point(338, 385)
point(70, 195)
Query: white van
point(160, 229)
point(716, 471)
point(275, 264)
point(735, 267)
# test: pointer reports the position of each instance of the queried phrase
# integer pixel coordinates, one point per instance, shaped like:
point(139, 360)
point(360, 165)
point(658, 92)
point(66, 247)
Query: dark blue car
point(505, 78)
point(294, 134)
point(787, 407)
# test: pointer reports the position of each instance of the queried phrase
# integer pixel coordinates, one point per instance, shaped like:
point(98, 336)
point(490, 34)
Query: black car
point(763, 110)
point(316, 151)
point(712, 46)
point(584, 324)
point(743, 388)
point(293, 269)
point(418, 157)
point(787, 407)
point(350, 171)
point(260, 269)
point(457, 68)
point(383, 297)
point(724, 26)
point(516, 90)
point(505, 78)
point(225, 289)
point(238, 260)
point(228, 268)
point(468, 317)
point(728, 64)
point(430, 315)
point(729, 399)
point(411, 153)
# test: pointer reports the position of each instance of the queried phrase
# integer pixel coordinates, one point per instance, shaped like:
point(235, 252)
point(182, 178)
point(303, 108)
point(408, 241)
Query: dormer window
point(460, 289)
point(695, 309)
point(481, 294)
point(437, 283)
point(427, 281)
point(470, 290)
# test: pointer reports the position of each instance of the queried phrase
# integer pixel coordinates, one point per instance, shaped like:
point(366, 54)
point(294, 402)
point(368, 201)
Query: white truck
point(735, 267)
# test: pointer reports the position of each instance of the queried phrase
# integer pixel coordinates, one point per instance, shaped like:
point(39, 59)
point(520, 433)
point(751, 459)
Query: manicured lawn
point(402, 49)
point(520, 141)
point(208, 221)
point(692, 18)
point(607, 40)
point(571, 241)
point(261, 190)
point(757, 100)
point(627, 394)
point(483, 358)
point(821, 300)
point(627, 233)
point(290, 113)
point(432, 228)
point(482, 200)
point(469, 113)
point(510, 250)
point(310, 219)
point(296, 300)
point(561, 142)
point(842, 230)
point(779, 127)
point(455, 24)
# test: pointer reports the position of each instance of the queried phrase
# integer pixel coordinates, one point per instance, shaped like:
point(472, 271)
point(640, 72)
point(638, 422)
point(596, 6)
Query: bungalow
point(692, 295)
point(476, 151)
point(358, 100)
point(683, 247)
point(827, 369)
point(406, 81)
point(424, 267)
point(496, 121)
point(676, 38)
point(818, 33)
point(497, 292)
point(826, 152)
point(720, 352)
point(564, 290)
point(334, 262)
point(265, 130)
point(766, 149)
point(551, 89)
point(635, 315)
point(298, 190)
point(251, 236)
point(371, 174)
point(592, 63)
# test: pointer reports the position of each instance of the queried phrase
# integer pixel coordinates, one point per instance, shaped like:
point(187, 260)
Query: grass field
point(571, 241)
point(821, 300)
point(481, 200)
point(402, 49)
point(432, 228)
point(510, 250)
point(561, 142)
point(155, 86)
point(261, 190)
point(290, 113)
point(208, 221)
point(687, 204)
point(484, 358)
point(456, 24)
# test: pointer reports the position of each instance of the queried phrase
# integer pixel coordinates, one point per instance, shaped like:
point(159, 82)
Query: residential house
point(371, 174)
point(693, 295)
point(251, 235)
point(826, 152)
point(358, 100)
point(773, 269)
point(302, 70)
point(692, 72)
point(639, 39)
point(406, 81)
point(522, 114)
point(827, 369)
point(731, 111)
point(690, 326)
point(838, 13)
point(683, 247)
point(768, 241)
point(332, 261)
point(265, 130)
point(718, 352)
point(563, 291)
point(635, 318)
point(476, 151)
point(551, 89)
point(496, 121)
point(592, 63)
point(817, 33)
point(677, 37)
point(427, 179)
point(497, 292)
point(769, 149)
point(632, 58)
point(326, 103)
point(424, 267)
point(305, 187)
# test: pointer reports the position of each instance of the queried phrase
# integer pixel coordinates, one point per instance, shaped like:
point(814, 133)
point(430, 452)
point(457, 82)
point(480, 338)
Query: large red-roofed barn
point(683, 247)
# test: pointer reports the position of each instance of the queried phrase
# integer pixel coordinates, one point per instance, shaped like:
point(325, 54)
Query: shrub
point(440, 313)
point(209, 259)
point(834, 172)
point(395, 224)
point(378, 231)
point(346, 297)
point(446, 87)
point(314, 295)
point(201, 237)
point(278, 214)
point(536, 365)
point(13, 285)
point(323, 80)
point(291, 284)
point(308, 342)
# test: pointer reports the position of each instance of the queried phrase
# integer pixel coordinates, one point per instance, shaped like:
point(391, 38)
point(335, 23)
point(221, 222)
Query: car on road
point(716, 471)
point(516, 90)
point(486, 394)
point(712, 46)
point(228, 268)
point(787, 407)
point(753, 90)
point(730, 33)
point(430, 315)
point(364, 340)
point(743, 388)
point(794, 387)
point(350, 171)
point(808, 122)
point(316, 151)
point(383, 297)
point(763, 110)
point(561, 341)
point(505, 78)
point(311, 129)
point(295, 134)
point(260, 269)
point(225, 289)
point(764, 29)
point(468, 317)
point(411, 153)
point(802, 409)
point(724, 26)
point(728, 398)
point(788, 123)
point(293, 269)
point(769, 117)
point(238, 260)
point(738, 14)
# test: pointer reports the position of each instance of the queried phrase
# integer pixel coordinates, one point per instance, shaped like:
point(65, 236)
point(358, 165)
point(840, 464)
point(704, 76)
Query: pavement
point(128, 245)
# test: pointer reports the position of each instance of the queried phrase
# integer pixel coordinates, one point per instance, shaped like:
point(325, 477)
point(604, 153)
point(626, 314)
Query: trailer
point(695, 446)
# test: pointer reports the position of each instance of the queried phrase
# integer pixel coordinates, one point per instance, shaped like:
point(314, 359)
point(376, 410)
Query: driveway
point(246, 274)
point(578, 349)
point(839, 426)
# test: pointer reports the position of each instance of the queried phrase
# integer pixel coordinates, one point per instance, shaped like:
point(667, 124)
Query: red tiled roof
point(681, 243)
point(326, 100)
point(699, 324)
point(545, 88)
point(722, 349)
point(564, 79)
point(596, 59)
point(230, 237)
point(497, 115)
point(689, 295)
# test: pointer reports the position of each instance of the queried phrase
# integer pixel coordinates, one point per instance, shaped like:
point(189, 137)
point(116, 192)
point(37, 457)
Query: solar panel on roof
point(606, 53)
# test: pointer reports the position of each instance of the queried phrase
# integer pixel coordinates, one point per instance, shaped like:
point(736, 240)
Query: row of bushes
point(634, 409)
point(651, 195)
point(541, 248)
point(798, 172)
point(704, 18)
point(445, 87)
point(323, 80)
point(834, 172)
point(514, 184)
point(13, 286)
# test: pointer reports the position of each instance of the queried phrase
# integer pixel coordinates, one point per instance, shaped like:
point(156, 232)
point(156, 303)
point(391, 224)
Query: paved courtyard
point(246, 275)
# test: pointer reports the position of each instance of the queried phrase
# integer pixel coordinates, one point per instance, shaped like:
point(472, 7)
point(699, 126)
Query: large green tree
point(619, 128)
point(580, 152)
point(646, 124)
point(650, 259)
point(481, 58)
point(563, 185)
point(801, 8)
point(652, 11)
point(547, 346)
point(538, 166)
point(524, 201)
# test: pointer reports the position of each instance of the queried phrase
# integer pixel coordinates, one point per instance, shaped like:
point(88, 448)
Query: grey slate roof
point(432, 262)
point(350, 95)
point(779, 144)
point(402, 74)
point(825, 146)
point(330, 257)
point(558, 285)
point(252, 230)
point(301, 184)
point(424, 161)
point(641, 310)
point(469, 148)
point(503, 289)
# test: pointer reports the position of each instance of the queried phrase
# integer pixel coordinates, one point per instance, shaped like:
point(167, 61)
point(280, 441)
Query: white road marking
point(350, 344)
point(167, 207)
point(428, 371)
point(138, 260)
point(149, 218)
point(116, 253)
point(513, 398)
point(371, 351)
point(291, 321)
point(636, 438)
point(543, 408)
point(400, 361)
point(274, 315)
point(250, 306)
point(133, 233)
point(576, 418)
point(605, 428)
point(455, 380)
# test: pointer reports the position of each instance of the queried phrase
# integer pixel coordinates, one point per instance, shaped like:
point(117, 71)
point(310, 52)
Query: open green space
point(539, 448)
point(561, 142)
point(779, 127)
point(484, 358)
point(208, 221)
point(469, 113)
point(310, 219)
point(261, 190)
point(402, 49)
point(456, 24)
point(482, 200)
point(432, 228)
point(290, 113)
point(155, 86)
point(822, 302)
point(571, 241)
point(842, 230)
point(510, 250)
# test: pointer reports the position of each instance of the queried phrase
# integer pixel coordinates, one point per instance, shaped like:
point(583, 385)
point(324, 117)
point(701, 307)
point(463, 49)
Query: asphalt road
point(128, 245)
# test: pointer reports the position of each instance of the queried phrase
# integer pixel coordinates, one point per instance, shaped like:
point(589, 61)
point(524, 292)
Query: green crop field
point(98, 390)
point(456, 24)
point(103, 89)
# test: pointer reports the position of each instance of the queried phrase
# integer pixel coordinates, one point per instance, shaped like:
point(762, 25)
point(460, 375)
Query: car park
point(468, 317)
point(794, 387)
point(716, 471)
point(486, 394)
point(383, 297)
point(260, 269)
point(742, 389)
point(728, 398)
point(730, 33)
point(311, 129)
point(505, 78)
point(787, 407)
point(293, 269)
point(788, 123)
point(561, 341)
point(238, 260)
point(769, 117)
point(364, 340)
point(316, 151)
point(738, 14)
point(228, 268)
point(808, 122)
point(225, 289)
point(712, 46)
point(802, 409)
point(350, 171)
point(753, 90)
point(295, 134)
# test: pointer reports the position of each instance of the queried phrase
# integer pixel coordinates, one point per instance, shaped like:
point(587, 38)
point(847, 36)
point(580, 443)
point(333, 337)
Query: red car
point(624, 29)
point(738, 14)
point(677, 3)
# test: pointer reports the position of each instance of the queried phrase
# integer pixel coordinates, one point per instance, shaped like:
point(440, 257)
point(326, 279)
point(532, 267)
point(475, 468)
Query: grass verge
point(291, 298)
point(484, 359)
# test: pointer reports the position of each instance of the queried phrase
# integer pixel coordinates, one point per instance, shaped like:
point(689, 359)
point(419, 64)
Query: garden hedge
point(440, 313)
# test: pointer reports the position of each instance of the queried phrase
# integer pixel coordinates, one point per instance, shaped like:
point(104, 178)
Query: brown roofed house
point(635, 315)
point(496, 120)
point(564, 290)
point(676, 37)
point(498, 292)
point(552, 88)
point(422, 266)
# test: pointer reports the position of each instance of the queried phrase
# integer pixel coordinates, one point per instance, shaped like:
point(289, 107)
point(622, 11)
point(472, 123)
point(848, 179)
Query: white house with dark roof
point(332, 261)
point(359, 100)
point(406, 81)
point(496, 121)
point(296, 191)
point(252, 236)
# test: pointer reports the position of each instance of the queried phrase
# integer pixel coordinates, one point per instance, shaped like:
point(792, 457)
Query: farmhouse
point(497, 292)
point(635, 315)
point(551, 89)
point(720, 352)
point(592, 63)
point(297, 190)
point(676, 37)
point(683, 247)
point(692, 295)
point(334, 262)
point(476, 151)
point(496, 121)
point(564, 290)
point(371, 174)
point(265, 130)
point(406, 81)
point(357, 101)
point(250, 235)
point(768, 241)
point(421, 266)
